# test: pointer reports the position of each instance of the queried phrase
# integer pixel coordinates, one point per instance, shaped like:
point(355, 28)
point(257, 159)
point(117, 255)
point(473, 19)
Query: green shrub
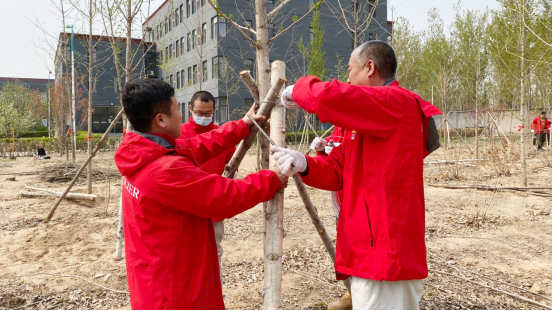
point(41, 128)
point(34, 134)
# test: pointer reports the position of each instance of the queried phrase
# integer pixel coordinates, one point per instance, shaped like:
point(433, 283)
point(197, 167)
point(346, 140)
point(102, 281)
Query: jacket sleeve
point(533, 124)
point(210, 195)
point(371, 110)
point(326, 172)
point(207, 146)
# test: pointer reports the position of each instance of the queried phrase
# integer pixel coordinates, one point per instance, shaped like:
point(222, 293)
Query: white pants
point(219, 228)
point(384, 295)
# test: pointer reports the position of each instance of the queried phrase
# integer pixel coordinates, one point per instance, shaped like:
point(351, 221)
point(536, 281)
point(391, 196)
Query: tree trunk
point(90, 91)
point(272, 287)
point(120, 237)
point(523, 115)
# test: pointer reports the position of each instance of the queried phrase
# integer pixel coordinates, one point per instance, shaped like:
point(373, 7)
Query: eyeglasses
point(202, 114)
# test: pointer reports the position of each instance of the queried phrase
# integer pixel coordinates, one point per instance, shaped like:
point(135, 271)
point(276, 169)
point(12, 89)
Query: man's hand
point(318, 144)
point(252, 114)
point(283, 178)
point(289, 161)
point(286, 98)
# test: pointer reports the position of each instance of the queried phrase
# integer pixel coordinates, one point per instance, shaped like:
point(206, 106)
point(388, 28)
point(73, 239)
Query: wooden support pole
point(120, 237)
point(264, 110)
point(274, 215)
point(323, 234)
point(79, 172)
point(49, 192)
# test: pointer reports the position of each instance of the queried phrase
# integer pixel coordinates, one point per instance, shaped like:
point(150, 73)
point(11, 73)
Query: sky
point(24, 53)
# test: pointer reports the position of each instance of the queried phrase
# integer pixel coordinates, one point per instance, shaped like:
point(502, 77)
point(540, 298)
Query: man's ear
point(371, 68)
point(160, 121)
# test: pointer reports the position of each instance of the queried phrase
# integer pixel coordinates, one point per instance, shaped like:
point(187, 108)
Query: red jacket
point(168, 203)
point(536, 125)
point(380, 169)
point(216, 165)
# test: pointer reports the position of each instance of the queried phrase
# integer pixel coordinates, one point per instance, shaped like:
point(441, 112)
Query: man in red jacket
point(168, 200)
point(381, 230)
point(202, 108)
point(540, 127)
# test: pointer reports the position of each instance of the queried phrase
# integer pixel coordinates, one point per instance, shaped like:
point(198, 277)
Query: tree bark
point(524, 180)
point(120, 237)
point(274, 215)
point(90, 91)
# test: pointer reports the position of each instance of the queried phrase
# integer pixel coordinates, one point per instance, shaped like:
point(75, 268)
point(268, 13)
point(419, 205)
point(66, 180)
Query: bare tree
point(355, 16)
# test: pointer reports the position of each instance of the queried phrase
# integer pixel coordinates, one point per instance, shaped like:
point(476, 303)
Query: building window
point(170, 20)
point(171, 80)
point(271, 29)
point(182, 46)
point(188, 7)
point(181, 13)
point(202, 2)
point(221, 112)
point(177, 17)
point(115, 87)
point(204, 70)
point(215, 67)
point(189, 76)
point(213, 27)
point(177, 48)
point(188, 42)
point(194, 74)
point(157, 32)
point(204, 32)
point(182, 78)
point(160, 30)
point(178, 81)
point(222, 27)
point(194, 39)
point(193, 6)
point(171, 55)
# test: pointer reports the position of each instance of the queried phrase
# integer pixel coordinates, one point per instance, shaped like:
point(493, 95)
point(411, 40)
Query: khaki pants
point(384, 295)
point(219, 228)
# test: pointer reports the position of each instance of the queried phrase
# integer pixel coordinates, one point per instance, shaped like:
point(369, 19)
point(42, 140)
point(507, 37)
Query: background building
point(105, 92)
point(34, 84)
point(197, 50)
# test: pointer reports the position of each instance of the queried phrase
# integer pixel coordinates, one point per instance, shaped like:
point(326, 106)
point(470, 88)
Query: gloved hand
point(532, 131)
point(328, 149)
point(318, 144)
point(286, 98)
point(289, 161)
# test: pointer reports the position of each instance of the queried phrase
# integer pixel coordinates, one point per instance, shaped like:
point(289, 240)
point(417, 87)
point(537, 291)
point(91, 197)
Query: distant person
point(202, 109)
point(540, 126)
point(169, 201)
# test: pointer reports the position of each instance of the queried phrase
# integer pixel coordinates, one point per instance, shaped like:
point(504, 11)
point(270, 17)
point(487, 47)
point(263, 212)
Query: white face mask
point(202, 121)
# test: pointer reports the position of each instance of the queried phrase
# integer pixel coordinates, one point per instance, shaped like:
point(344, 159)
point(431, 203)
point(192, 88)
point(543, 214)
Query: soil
point(504, 235)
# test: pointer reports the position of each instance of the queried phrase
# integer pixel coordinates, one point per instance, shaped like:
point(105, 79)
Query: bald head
point(381, 53)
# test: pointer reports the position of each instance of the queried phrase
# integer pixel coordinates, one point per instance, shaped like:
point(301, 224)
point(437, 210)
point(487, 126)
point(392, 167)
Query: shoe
point(343, 303)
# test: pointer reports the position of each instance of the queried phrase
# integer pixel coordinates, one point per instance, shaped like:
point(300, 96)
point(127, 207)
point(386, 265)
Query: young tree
point(273, 263)
point(15, 98)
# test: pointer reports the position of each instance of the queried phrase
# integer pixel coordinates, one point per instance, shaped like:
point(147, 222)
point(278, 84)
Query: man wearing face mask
point(202, 108)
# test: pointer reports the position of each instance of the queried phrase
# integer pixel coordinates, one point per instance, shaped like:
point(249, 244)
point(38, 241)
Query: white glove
point(318, 144)
point(328, 149)
point(289, 161)
point(286, 98)
point(532, 131)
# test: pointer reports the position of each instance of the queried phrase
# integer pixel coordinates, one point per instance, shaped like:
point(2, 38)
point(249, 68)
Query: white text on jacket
point(133, 191)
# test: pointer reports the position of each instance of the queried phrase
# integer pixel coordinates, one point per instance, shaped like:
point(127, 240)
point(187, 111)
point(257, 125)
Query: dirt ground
point(492, 238)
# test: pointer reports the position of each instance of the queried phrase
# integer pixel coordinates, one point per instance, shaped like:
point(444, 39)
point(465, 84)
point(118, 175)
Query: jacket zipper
point(369, 219)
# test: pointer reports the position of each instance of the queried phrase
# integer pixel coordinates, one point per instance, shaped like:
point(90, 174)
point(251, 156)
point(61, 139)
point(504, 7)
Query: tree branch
point(277, 9)
point(234, 24)
point(294, 23)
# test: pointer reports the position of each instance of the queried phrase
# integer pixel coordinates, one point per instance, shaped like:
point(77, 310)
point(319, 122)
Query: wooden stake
point(323, 234)
point(48, 192)
point(274, 215)
point(264, 110)
point(120, 237)
point(79, 172)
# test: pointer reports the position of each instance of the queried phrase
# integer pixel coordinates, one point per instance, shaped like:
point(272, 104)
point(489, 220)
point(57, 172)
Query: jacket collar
point(391, 81)
point(164, 140)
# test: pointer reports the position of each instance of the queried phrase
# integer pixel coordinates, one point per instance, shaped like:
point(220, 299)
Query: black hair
point(544, 113)
point(382, 54)
point(144, 99)
point(203, 96)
